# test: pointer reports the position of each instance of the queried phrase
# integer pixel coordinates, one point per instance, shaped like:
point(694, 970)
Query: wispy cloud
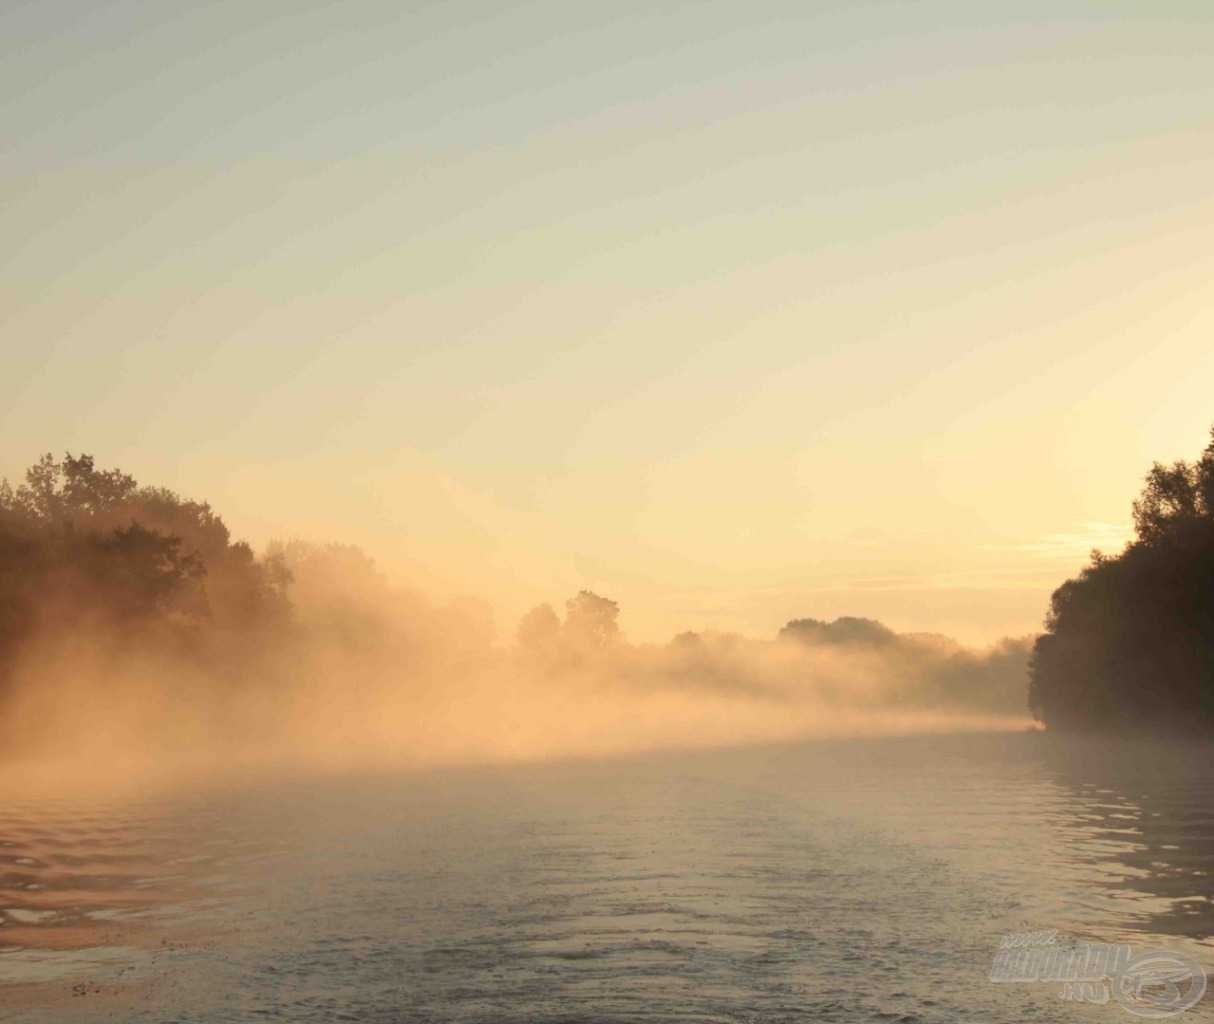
point(1105, 536)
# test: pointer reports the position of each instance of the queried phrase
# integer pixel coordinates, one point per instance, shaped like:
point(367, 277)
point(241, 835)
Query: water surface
point(838, 881)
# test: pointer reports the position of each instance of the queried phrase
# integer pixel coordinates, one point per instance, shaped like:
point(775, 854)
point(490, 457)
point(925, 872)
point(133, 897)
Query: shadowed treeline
point(133, 626)
point(1130, 640)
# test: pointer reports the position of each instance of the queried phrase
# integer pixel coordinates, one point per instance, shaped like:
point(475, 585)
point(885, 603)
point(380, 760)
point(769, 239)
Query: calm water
point(844, 881)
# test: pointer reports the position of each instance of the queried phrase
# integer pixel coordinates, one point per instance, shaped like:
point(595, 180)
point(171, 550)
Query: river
point(840, 880)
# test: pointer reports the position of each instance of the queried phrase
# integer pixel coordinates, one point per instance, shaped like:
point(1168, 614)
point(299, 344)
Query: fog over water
point(139, 639)
point(245, 785)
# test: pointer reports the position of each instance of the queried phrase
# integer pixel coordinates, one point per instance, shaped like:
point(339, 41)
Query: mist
point(139, 640)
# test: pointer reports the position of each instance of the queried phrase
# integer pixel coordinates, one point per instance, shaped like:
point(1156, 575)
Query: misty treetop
point(589, 633)
point(1129, 642)
point(129, 614)
point(847, 629)
point(850, 662)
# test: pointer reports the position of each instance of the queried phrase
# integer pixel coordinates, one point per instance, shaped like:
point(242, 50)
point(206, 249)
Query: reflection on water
point(843, 880)
point(1148, 809)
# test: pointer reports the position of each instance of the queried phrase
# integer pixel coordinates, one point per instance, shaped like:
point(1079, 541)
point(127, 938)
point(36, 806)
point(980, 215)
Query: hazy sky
point(734, 312)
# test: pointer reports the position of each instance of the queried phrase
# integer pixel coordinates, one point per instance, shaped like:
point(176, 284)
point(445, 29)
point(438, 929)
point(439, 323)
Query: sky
point(735, 313)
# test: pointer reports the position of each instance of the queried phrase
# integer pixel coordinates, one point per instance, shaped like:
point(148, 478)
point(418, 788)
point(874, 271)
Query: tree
point(84, 546)
point(846, 630)
point(539, 630)
point(1129, 642)
point(68, 494)
point(1176, 499)
point(139, 573)
point(590, 621)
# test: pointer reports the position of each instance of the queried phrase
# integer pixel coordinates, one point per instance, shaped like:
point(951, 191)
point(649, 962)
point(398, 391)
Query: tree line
point(112, 592)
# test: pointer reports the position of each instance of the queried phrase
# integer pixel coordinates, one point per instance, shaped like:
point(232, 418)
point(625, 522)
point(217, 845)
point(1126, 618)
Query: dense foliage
point(1130, 641)
point(89, 552)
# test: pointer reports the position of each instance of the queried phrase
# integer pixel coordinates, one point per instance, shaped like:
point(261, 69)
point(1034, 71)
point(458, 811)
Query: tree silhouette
point(539, 630)
point(1129, 642)
point(79, 544)
point(845, 630)
point(590, 621)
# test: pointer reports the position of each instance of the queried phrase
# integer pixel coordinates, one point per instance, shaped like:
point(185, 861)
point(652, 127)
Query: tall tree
point(591, 621)
point(1129, 642)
